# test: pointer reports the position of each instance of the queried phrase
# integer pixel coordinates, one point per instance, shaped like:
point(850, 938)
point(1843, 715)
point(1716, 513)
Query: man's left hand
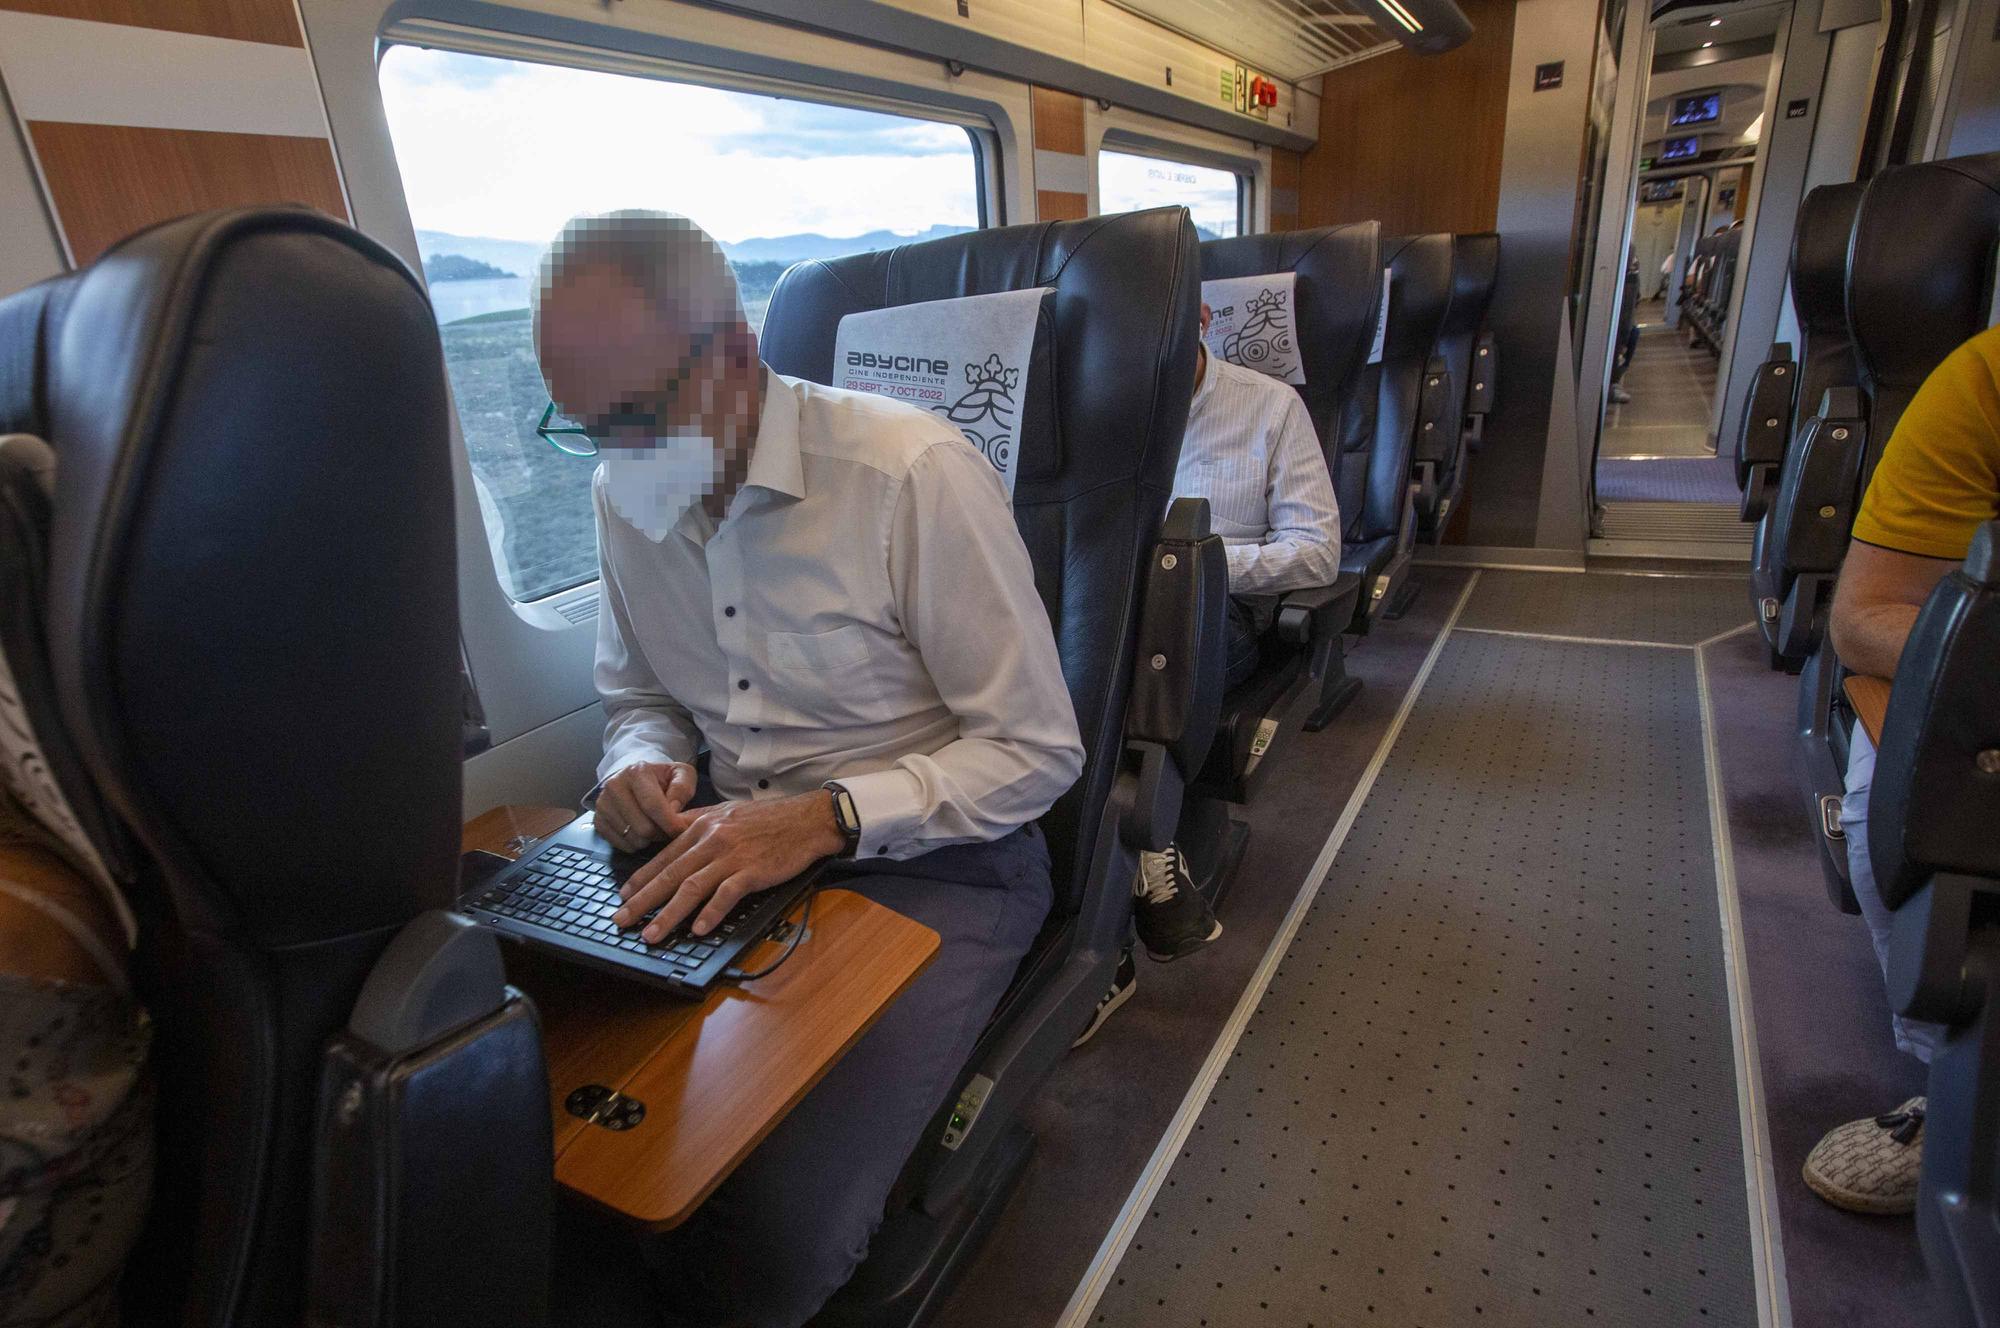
point(726, 852)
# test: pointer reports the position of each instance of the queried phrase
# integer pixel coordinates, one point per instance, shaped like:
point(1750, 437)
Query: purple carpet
point(1675, 480)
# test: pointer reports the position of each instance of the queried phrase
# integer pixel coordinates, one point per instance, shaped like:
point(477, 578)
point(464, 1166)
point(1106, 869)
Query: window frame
point(555, 610)
point(1128, 132)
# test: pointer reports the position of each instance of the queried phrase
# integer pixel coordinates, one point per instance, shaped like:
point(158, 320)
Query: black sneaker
point(1123, 983)
point(1172, 917)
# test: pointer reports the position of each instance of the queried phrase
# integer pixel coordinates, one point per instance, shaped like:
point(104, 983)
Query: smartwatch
point(845, 816)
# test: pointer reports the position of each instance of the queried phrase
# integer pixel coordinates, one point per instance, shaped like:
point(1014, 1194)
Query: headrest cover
point(1251, 323)
point(967, 359)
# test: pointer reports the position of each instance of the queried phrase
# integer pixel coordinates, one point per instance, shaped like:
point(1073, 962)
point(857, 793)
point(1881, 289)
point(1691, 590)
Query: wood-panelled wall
point(175, 147)
point(1414, 141)
point(1286, 167)
point(1059, 156)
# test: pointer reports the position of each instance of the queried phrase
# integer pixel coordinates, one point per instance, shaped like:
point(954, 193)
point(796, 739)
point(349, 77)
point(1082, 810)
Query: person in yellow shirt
point(1937, 482)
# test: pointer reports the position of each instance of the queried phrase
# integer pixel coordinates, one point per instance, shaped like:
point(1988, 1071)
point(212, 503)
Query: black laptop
point(561, 896)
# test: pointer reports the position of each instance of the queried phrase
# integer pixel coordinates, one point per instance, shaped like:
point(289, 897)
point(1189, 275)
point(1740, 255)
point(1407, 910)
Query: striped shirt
point(1251, 451)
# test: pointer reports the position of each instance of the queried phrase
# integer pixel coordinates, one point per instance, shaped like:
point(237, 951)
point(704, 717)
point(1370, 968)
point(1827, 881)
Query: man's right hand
point(645, 804)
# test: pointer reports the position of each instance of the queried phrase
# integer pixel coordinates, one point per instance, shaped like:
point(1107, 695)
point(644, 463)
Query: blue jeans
point(1240, 631)
point(1917, 1037)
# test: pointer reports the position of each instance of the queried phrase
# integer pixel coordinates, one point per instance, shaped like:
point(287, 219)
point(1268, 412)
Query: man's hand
point(725, 852)
point(644, 804)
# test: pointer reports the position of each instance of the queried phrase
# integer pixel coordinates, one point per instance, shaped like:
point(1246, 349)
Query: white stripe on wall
point(81, 72)
point(1062, 172)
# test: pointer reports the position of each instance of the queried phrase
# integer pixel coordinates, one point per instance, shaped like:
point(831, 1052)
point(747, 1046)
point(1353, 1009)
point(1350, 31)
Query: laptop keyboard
point(576, 893)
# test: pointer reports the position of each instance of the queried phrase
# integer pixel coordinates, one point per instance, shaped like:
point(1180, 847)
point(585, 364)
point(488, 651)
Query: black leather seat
point(1935, 801)
point(1480, 254)
point(246, 641)
point(1796, 548)
point(1444, 424)
point(1337, 285)
point(1919, 284)
point(1381, 530)
point(1109, 389)
point(1785, 392)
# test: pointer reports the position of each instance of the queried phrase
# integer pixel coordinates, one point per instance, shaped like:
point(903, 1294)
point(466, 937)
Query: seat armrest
point(434, 1162)
point(1178, 668)
point(1767, 417)
point(1317, 613)
point(1485, 370)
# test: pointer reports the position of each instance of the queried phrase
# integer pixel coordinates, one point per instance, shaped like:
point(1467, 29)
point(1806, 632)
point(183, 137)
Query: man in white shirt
point(1251, 450)
point(786, 569)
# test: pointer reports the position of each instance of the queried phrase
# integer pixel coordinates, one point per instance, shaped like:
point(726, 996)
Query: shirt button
point(729, 611)
point(763, 783)
point(742, 684)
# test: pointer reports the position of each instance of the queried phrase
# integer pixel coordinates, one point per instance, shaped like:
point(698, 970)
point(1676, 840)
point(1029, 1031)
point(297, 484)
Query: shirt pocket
point(817, 652)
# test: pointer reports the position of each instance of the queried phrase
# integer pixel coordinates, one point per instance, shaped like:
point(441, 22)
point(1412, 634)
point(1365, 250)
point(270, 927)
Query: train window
point(1213, 197)
point(496, 154)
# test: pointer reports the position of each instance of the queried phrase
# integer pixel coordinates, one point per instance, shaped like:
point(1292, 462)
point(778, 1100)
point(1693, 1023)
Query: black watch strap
point(845, 816)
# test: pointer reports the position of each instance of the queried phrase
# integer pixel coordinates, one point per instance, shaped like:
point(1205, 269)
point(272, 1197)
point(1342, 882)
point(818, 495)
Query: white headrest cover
point(965, 359)
point(1251, 323)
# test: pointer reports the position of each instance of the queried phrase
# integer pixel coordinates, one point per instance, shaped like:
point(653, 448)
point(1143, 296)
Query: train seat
point(1382, 531)
point(1336, 283)
point(1936, 797)
point(1442, 429)
point(1920, 282)
point(1784, 388)
point(246, 644)
point(1481, 371)
point(1138, 631)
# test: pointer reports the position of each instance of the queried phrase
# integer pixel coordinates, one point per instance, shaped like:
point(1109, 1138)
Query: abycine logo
point(988, 405)
point(868, 359)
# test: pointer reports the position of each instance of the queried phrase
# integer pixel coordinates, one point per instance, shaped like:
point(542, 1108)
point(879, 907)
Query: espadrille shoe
point(1872, 1165)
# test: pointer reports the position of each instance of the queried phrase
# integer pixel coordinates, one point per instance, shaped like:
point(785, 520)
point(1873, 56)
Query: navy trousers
point(789, 1226)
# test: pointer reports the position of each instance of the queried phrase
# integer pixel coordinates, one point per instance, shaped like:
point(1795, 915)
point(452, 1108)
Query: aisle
point(1494, 1075)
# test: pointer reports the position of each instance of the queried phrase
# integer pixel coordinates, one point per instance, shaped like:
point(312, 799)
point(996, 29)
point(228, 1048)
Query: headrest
point(1093, 266)
point(1337, 289)
point(1252, 323)
point(1920, 275)
point(1935, 797)
point(252, 612)
point(1475, 266)
point(1819, 256)
point(971, 360)
point(1419, 293)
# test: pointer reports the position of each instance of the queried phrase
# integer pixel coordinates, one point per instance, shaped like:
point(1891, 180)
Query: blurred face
point(672, 405)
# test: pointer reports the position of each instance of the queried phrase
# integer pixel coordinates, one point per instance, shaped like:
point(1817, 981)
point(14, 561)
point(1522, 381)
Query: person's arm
point(1875, 604)
point(1302, 547)
point(965, 595)
point(646, 775)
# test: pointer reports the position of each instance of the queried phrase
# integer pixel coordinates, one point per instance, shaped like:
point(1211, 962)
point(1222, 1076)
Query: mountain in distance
point(457, 267)
point(522, 256)
point(811, 244)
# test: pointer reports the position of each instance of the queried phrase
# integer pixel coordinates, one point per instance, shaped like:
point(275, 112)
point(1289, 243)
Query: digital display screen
point(1680, 149)
point(1697, 108)
point(1660, 191)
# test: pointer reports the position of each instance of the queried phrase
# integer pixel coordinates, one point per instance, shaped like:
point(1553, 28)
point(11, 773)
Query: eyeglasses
point(586, 440)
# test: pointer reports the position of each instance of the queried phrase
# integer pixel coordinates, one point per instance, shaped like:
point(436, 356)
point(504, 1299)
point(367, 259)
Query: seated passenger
point(1251, 451)
point(786, 569)
point(76, 1132)
point(1938, 480)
